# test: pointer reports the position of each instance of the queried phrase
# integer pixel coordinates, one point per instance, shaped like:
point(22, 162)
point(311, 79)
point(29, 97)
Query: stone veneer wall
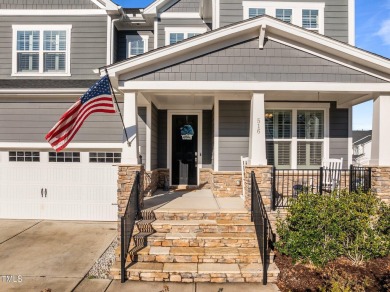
point(264, 181)
point(126, 178)
point(222, 183)
point(154, 180)
point(380, 182)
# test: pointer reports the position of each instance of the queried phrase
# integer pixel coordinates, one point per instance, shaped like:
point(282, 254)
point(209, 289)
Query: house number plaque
point(258, 126)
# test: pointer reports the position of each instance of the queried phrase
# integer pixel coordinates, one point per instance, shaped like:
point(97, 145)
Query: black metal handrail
point(265, 236)
point(128, 222)
point(287, 184)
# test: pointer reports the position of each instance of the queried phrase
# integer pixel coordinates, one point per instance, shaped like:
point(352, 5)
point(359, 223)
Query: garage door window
point(64, 157)
point(23, 156)
point(104, 157)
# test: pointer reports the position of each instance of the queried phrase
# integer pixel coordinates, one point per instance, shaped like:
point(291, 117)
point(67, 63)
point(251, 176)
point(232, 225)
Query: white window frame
point(41, 29)
point(131, 37)
point(297, 8)
point(294, 139)
point(184, 30)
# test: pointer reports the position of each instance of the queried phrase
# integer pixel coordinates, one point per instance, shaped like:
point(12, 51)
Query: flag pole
point(117, 105)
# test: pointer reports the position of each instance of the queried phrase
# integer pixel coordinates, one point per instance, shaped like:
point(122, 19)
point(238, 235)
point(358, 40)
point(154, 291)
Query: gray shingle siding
point(31, 121)
point(207, 138)
point(47, 4)
point(162, 138)
point(155, 138)
point(171, 22)
point(336, 16)
point(338, 133)
point(120, 51)
point(233, 133)
point(88, 43)
point(246, 62)
point(184, 6)
point(142, 132)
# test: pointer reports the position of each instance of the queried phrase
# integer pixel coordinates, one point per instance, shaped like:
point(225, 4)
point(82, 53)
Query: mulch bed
point(371, 276)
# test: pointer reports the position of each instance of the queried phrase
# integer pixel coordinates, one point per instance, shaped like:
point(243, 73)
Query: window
point(41, 50)
point(310, 19)
point(64, 156)
point(105, 157)
point(23, 156)
point(295, 138)
point(284, 14)
point(253, 12)
point(177, 34)
point(136, 44)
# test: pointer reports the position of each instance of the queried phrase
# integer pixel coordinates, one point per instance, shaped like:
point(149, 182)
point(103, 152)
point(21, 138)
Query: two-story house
point(200, 83)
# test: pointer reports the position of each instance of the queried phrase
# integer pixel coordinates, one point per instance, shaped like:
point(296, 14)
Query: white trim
point(350, 138)
point(294, 107)
point(252, 85)
point(51, 12)
point(33, 145)
point(152, 8)
point(184, 30)
point(97, 3)
point(41, 28)
point(155, 33)
point(180, 15)
point(297, 7)
point(216, 133)
point(317, 42)
point(109, 29)
point(148, 158)
point(132, 37)
point(217, 14)
point(169, 139)
point(351, 22)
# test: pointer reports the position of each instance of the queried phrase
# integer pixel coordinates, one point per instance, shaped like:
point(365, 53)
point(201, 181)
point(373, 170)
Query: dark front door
point(184, 149)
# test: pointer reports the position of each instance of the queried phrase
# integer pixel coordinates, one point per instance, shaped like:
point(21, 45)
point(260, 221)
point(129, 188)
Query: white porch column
point(130, 117)
point(380, 149)
point(257, 154)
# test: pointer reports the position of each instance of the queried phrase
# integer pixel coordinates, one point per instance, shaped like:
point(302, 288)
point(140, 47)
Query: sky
point(372, 34)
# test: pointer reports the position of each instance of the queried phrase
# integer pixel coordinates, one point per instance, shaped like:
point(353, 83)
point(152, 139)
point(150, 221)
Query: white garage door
point(57, 190)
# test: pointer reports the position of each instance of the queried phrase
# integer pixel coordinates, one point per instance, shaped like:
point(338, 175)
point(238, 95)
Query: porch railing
point(287, 184)
point(265, 236)
point(128, 222)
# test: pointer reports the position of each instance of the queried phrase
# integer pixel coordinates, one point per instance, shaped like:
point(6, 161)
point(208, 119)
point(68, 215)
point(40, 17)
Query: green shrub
point(320, 228)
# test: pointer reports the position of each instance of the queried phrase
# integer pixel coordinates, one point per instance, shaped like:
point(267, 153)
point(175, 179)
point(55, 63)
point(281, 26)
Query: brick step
point(199, 272)
point(204, 226)
point(196, 255)
point(237, 239)
point(201, 215)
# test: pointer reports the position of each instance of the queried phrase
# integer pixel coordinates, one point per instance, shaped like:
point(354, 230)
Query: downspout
point(113, 21)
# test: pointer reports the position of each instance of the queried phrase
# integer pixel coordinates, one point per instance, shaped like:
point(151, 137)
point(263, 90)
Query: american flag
point(97, 99)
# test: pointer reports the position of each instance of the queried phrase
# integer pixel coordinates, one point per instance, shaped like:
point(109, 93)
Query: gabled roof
point(154, 6)
point(262, 26)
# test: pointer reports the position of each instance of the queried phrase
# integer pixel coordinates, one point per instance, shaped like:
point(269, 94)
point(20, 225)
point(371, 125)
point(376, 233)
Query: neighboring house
point(272, 80)
point(362, 147)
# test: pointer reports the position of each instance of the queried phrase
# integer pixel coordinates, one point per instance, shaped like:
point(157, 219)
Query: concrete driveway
point(37, 254)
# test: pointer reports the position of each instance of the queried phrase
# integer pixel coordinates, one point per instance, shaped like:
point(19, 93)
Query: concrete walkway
point(134, 286)
point(193, 201)
point(38, 255)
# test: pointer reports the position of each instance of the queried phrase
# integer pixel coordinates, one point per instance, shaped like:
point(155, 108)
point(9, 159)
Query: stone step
point(202, 226)
point(237, 239)
point(145, 226)
point(201, 215)
point(196, 255)
point(200, 272)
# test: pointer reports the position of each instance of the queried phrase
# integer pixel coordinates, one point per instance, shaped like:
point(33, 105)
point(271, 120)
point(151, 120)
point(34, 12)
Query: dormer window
point(41, 50)
point(310, 19)
point(136, 44)
point(253, 12)
point(284, 14)
point(177, 34)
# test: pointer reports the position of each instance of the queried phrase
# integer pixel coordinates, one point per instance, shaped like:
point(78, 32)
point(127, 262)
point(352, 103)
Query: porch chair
point(244, 162)
point(332, 173)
